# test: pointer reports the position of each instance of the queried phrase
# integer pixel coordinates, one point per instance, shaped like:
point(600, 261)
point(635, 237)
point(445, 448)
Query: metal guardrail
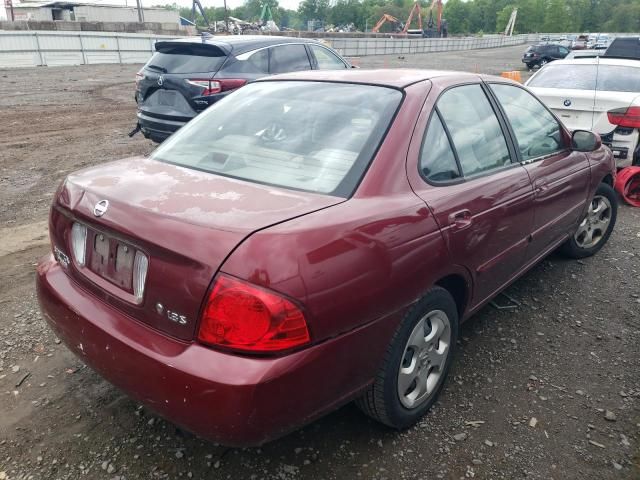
point(55, 48)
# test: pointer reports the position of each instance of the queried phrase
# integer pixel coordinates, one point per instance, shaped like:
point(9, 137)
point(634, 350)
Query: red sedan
point(316, 238)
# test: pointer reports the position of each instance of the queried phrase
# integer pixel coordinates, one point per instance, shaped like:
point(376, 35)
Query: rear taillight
point(79, 243)
point(210, 87)
point(244, 317)
point(139, 78)
point(140, 267)
point(625, 117)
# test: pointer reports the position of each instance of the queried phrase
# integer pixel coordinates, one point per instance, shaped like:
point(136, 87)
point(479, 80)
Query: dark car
point(260, 270)
point(624, 47)
point(541, 54)
point(186, 76)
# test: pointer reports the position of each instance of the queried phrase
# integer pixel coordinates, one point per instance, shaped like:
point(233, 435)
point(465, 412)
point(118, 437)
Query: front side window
point(326, 60)
point(312, 136)
point(289, 58)
point(537, 132)
point(437, 161)
point(474, 128)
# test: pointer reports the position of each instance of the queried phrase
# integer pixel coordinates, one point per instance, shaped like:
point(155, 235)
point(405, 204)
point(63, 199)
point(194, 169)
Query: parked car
point(624, 47)
point(541, 54)
point(258, 271)
point(186, 76)
point(602, 95)
point(580, 43)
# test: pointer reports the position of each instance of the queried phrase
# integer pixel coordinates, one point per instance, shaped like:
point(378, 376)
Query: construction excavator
point(387, 18)
point(435, 27)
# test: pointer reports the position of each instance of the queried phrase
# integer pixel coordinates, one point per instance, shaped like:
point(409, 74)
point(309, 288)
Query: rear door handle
point(461, 219)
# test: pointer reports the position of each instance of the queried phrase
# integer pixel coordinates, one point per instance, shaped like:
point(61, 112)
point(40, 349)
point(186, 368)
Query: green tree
point(314, 10)
point(556, 17)
point(457, 14)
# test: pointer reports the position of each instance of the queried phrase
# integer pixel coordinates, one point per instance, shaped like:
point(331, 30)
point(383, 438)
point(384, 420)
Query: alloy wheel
point(424, 359)
point(594, 226)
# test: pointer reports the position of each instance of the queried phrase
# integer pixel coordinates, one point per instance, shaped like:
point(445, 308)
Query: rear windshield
point(186, 59)
point(604, 78)
point(312, 136)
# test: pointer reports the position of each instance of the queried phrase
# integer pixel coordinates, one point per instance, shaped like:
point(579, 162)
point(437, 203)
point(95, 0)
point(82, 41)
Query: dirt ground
point(548, 391)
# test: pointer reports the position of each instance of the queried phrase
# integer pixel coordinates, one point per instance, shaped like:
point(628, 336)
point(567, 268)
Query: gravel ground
point(550, 390)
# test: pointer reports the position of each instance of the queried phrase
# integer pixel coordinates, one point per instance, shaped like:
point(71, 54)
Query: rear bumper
point(624, 147)
point(230, 399)
point(158, 129)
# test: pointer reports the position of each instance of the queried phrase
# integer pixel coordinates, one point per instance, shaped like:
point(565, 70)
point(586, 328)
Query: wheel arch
point(459, 288)
point(608, 179)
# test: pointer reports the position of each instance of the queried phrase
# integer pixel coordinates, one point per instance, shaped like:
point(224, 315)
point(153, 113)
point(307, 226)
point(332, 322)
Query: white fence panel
point(29, 48)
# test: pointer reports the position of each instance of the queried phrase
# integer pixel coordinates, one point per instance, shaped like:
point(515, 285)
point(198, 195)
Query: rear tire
point(596, 226)
point(416, 362)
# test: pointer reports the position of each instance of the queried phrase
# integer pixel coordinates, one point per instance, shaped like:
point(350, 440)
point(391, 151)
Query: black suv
point(543, 53)
point(624, 47)
point(185, 76)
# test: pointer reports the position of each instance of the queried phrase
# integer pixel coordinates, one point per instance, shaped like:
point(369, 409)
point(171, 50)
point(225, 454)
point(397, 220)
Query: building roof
point(63, 4)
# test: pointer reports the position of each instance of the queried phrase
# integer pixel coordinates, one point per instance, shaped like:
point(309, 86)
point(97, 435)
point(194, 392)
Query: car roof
point(599, 60)
point(396, 78)
point(243, 43)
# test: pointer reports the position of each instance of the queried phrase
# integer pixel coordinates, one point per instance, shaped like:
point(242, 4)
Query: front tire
point(416, 362)
point(542, 62)
point(596, 226)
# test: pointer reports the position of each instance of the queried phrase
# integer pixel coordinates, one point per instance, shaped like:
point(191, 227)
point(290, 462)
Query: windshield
point(312, 136)
point(607, 78)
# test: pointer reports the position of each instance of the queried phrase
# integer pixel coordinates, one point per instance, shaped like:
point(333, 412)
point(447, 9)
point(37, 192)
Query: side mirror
point(585, 141)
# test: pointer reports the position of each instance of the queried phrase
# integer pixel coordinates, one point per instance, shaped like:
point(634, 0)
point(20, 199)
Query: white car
point(599, 94)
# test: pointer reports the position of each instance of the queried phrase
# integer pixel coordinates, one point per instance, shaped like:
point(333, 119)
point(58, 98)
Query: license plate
point(111, 259)
point(166, 97)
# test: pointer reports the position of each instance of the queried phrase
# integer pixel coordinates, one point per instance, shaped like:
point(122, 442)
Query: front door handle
point(461, 219)
point(541, 187)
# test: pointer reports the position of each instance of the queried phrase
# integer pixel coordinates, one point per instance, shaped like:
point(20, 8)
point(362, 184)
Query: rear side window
point(537, 131)
point(474, 128)
point(256, 62)
point(186, 59)
point(437, 162)
point(326, 60)
point(289, 58)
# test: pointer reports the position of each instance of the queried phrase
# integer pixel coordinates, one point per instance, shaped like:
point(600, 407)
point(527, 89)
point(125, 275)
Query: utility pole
point(226, 17)
point(140, 12)
point(9, 6)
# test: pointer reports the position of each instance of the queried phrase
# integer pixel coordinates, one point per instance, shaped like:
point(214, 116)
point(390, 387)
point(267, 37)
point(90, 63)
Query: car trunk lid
point(185, 221)
point(573, 107)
